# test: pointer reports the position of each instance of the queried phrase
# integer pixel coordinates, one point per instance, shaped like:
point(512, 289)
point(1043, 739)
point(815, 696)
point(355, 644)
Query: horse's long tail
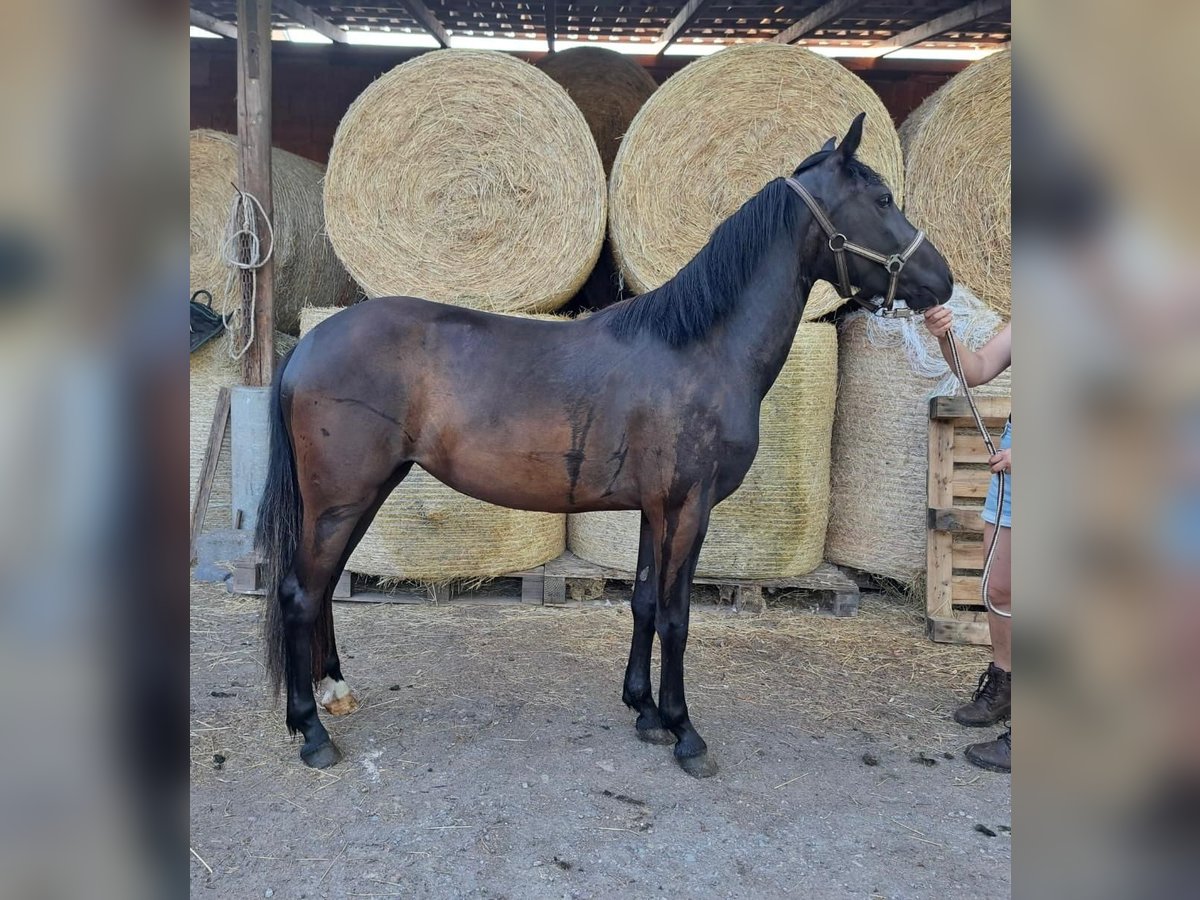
point(278, 531)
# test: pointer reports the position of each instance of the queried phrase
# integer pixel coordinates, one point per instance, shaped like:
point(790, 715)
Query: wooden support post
point(254, 168)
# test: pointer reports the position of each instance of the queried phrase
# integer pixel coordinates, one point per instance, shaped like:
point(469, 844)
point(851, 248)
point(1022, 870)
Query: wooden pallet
point(958, 485)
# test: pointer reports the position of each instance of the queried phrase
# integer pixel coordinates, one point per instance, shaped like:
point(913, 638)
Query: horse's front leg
point(637, 694)
point(682, 540)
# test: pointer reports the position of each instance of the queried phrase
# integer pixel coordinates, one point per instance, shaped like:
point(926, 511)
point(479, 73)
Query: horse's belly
point(545, 481)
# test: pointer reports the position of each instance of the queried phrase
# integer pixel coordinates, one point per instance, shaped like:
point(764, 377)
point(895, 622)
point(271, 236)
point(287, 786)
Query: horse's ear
point(850, 142)
point(829, 145)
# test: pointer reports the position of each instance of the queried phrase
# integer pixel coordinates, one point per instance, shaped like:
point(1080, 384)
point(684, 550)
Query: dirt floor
point(492, 757)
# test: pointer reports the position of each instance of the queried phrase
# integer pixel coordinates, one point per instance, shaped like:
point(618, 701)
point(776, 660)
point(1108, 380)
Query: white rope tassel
point(974, 323)
point(242, 252)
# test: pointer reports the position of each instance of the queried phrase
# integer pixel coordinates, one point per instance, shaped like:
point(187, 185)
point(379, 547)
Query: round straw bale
point(428, 532)
point(877, 518)
point(306, 270)
point(468, 177)
point(774, 524)
point(958, 152)
point(714, 134)
point(608, 87)
point(212, 368)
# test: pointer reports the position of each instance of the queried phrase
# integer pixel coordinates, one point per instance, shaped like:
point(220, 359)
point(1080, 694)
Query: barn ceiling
point(869, 27)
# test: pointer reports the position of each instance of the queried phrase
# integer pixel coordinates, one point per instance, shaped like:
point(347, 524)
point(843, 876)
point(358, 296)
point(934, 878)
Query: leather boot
point(992, 701)
point(995, 756)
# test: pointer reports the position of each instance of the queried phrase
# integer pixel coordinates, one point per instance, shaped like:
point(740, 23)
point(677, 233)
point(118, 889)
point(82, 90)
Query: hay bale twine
point(608, 87)
point(774, 524)
point(467, 177)
point(958, 152)
point(307, 271)
point(879, 489)
point(428, 532)
point(714, 134)
point(212, 368)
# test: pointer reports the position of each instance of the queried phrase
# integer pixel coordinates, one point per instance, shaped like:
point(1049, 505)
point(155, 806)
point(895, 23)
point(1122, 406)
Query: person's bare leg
point(1000, 593)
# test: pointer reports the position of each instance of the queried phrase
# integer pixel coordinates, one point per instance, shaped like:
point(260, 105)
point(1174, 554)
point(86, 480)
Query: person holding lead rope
point(992, 701)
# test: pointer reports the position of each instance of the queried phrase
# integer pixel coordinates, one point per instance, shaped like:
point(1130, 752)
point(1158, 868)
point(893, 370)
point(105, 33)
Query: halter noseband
point(894, 264)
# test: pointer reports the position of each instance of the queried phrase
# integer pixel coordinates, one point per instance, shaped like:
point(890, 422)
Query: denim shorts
point(989, 507)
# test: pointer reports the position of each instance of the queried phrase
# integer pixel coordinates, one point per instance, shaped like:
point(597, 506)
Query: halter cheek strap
point(840, 246)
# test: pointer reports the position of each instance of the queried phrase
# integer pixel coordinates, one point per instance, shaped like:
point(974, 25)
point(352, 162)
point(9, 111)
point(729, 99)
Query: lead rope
point(242, 251)
point(991, 447)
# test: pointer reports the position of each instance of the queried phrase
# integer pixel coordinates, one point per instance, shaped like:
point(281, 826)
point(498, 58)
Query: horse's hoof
point(702, 766)
point(321, 757)
point(336, 698)
point(655, 736)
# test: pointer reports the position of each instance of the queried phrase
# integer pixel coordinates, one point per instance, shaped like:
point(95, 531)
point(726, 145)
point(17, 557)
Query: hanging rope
point(991, 448)
point(243, 252)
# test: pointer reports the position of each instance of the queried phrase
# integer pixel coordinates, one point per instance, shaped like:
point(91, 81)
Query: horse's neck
point(759, 333)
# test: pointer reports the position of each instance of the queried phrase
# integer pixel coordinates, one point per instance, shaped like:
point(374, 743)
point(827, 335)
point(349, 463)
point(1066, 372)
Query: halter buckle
point(837, 242)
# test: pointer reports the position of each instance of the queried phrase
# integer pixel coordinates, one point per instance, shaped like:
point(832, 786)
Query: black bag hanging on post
point(205, 323)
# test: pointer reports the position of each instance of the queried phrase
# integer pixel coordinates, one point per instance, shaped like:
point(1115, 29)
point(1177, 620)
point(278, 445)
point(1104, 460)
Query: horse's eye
point(885, 201)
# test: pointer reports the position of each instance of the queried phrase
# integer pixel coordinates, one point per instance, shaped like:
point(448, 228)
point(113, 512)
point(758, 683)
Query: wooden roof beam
point(680, 23)
point(298, 12)
point(956, 18)
point(427, 20)
point(827, 12)
point(213, 24)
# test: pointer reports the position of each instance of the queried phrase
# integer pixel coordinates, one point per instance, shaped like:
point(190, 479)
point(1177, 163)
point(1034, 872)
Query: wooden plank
point(343, 588)
point(213, 24)
point(254, 169)
point(958, 519)
point(208, 467)
point(533, 586)
point(965, 590)
point(826, 12)
point(247, 577)
point(993, 410)
point(955, 631)
point(299, 12)
point(938, 601)
point(973, 486)
point(968, 555)
point(970, 448)
point(424, 15)
point(680, 23)
point(956, 18)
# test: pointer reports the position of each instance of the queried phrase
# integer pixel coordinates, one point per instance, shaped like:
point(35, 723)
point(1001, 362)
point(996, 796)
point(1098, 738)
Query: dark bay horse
point(651, 404)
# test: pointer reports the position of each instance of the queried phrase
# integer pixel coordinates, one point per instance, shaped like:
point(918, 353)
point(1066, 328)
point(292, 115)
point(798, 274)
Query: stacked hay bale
point(609, 89)
point(428, 532)
point(715, 133)
point(466, 177)
point(773, 526)
point(888, 370)
point(212, 368)
point(306, 270)
point(958, 155)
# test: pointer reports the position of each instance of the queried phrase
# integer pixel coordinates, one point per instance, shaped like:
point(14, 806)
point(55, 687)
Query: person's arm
point(979, 366)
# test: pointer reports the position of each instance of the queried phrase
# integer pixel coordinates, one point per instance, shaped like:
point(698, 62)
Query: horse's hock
point(773, 526)
point(958, 157)
point(307, 273)
point(717, 131)
point(467, 177)
point(428, 532)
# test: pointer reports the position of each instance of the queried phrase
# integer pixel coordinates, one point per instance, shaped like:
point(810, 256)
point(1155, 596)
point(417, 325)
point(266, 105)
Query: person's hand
point(938, 320)
point(1001, 461)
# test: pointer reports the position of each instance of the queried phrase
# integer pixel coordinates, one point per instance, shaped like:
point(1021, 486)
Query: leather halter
point(838, 243)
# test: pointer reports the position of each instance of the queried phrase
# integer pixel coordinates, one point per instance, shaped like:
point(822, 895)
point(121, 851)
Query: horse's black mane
point(707, 288)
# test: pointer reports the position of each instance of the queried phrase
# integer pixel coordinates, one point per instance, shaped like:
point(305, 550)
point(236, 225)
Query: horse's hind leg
point(637, 694)
point(333, 694)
